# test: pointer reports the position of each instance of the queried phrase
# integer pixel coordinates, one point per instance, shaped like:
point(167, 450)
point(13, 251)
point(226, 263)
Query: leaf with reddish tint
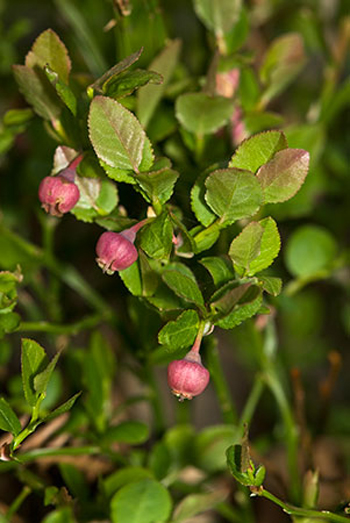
point(282, 177)
point(49, 50)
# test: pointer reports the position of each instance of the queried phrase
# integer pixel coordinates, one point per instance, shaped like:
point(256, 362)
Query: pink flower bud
point(116, 251)
point(188, 377)
point(58, 195)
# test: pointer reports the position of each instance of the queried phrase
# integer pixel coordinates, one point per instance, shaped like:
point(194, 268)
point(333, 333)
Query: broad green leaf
point(121, 66)
point(219, 268)
point(211, 444)
point(62, 89)
point(131, 278)
point(194, 504)
point(126, 83)
point(158, 185)
point(42, 379)
point(218, 16)
point(205, 238)
point(33, 362)
point(309, 250)
point(282, 177)
point(240, 313)
point(117, 136)
point(61, 515)
point(233, 194)
point(38, 92)
point(256, 247)
point(258, 150)
point(8, 419)
point(9, 322)
point(130, 432)
point(198, 204)
point(201, 114)
point(271, 284)
point(65, 407)
point(282, 63)
point(149, 96)
point(246, 247)
point(144, 501)
point(181, 332)
point(156, 237)
point(228, 296)
point(98, 197)
point(123, 477)
point(183, 285)
point(49, 50)
point(119, 175)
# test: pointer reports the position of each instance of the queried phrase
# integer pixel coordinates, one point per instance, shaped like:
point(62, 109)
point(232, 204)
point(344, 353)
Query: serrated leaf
point(49, 50)
point(257, 150)
point(42, 379)
point(246, 247)
point(219, 268)
point(130, 432)
point(218, 16)
point(240, 313)
point(269, 246)
point(183, 285)
point(119, 175)
point(156, 237)
point(126, 83)
point(8, 419)
point(228, 296)
point(181, 332)
point(198, 204)
point(117, 136)
point(62, 89)
point(158, 185)
point(282, 177)
point(65, 407)
point(149, 96)
point(271, 284)
point(144, 501)
point(233, 194)
point(201, 114)
point(33, 362)
point(38, 92)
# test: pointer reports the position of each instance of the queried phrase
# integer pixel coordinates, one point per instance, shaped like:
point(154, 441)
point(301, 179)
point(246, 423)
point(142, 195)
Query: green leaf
point(269, 247)
point(246, 247)
point(148, 97)
point(49, 50)
point(98, 197)
point(38, 92)
point(211, 444)
point(309, 250)
point(42, 379)
point(282, 177)
point(123, 477)
point(205, 238)
point(180, 333)
point(271, 284)
point(61, 515)
point(14, 117)
point(258, 150)
point(194, 504)
point(219, 268)
point(65, 407)
point(233, 194)
point(9, 322)
point(184, 285)
point(117, 136)
point(144, 501)
point(102, 82)
point(63, 90)
point(282, 63)
point(218, 16)
point(119, 175)
point(131, 278)
point(158, 185)
point(240, 313)
point(8, 419)
point(156, 237)
point(202, 114)
point(229, 295)
point(130, 432)
point(198, 204)
point(75, 480)
point(124, 84)
point(33, 362)
point(234, 454)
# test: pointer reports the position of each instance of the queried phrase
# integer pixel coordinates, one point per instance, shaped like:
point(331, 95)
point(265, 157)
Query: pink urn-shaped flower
point(116, 250)
point(188, 377)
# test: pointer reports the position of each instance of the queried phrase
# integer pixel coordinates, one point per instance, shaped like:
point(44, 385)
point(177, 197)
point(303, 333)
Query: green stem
point(302, 512)
point(32, 455)
point(218, 378)
point(252, 402)
point(52, 300)
point(74, 328)
point(18, 502)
